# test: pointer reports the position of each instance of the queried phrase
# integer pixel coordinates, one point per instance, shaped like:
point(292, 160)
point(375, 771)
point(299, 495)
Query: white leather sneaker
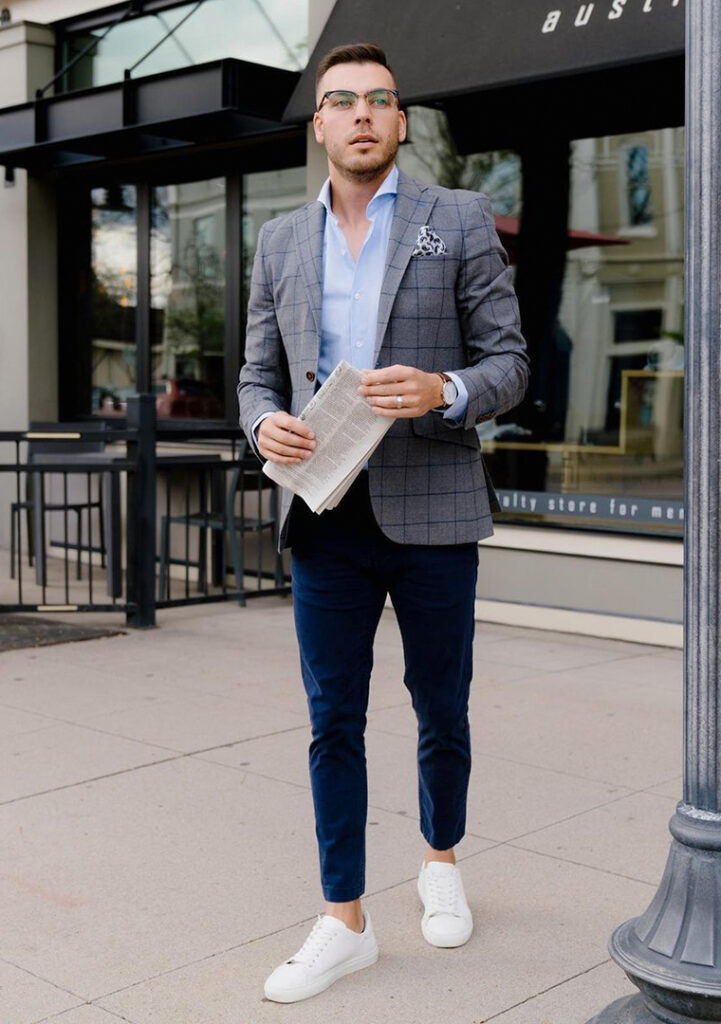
point(330, 951)
point(447, 920)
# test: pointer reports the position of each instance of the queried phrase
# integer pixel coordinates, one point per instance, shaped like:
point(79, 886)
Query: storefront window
point(267, 194)
point(187, 299)
point(113, 297)
point(270, 32)
point(638, 186)
point(598, 441)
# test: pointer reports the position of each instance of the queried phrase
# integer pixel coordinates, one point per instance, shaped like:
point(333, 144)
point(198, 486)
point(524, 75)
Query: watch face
point(450, 392)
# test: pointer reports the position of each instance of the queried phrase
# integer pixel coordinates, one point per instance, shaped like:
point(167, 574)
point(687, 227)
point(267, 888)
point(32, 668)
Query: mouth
point(364, 140)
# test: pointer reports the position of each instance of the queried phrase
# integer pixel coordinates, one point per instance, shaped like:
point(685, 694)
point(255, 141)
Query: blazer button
point(309, 375)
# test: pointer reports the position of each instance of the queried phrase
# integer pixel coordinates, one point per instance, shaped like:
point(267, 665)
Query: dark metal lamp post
point(673, 951)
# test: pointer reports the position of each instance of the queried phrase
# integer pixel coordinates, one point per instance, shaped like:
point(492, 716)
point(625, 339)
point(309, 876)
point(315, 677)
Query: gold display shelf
point(622, 448)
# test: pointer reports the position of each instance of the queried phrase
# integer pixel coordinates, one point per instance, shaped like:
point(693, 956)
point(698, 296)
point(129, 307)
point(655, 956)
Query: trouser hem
point(440, 844)
point(343, 895)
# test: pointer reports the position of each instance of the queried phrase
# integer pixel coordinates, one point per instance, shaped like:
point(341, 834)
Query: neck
point(349, 197)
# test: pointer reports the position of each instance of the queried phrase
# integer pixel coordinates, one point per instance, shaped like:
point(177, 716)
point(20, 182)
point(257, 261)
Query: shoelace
point(314, 945)
point(442, 892)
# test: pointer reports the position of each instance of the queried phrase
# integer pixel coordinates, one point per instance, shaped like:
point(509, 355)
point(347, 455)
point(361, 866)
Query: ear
point(318, 128)
point(402, 126)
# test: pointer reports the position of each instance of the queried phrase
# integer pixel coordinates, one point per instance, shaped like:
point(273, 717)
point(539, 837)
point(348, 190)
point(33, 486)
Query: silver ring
point(399, 401)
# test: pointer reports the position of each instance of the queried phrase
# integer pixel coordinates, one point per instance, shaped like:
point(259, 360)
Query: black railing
point(135, 519)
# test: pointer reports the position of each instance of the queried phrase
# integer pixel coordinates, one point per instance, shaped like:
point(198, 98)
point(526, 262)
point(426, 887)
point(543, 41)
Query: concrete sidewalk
point(159, 856)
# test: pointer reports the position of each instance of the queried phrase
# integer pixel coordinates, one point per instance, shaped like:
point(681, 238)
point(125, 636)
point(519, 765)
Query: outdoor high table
point(72, 491)
point(111, 505)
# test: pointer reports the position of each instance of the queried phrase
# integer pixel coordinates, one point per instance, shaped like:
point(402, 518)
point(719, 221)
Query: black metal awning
point(209, 103)
point(439, 51)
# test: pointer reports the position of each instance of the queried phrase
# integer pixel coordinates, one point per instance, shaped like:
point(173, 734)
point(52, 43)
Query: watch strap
point(446, 379)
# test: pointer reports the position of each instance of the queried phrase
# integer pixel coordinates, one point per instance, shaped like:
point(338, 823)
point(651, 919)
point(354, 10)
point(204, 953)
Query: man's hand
point(420, 391)
point(283, 438)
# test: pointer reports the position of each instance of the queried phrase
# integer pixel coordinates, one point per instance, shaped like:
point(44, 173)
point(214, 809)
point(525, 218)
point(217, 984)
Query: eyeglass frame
point(359, 95)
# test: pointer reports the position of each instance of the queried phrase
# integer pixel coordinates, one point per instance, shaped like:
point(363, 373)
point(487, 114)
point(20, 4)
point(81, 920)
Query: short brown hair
point(351, 53)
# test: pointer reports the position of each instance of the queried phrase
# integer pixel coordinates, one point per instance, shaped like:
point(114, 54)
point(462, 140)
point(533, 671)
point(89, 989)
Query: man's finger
point(380, 390)
point(280, 459)
point(270, 428)
point(394, 414)
point(289, 444)
point(391, 402)
point(286, 450)
point(287, 437)
point(288, 422)
point(387, 375)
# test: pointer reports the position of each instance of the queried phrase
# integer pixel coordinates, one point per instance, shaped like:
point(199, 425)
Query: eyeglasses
point(345, 99)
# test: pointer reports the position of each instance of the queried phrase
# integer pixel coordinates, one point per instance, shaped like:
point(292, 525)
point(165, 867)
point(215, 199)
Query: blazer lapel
point(308, 228)
point(412, 211)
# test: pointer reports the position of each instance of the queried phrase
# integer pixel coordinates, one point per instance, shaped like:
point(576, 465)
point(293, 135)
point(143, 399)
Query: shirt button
point(309, 375)
point(357, 295)
point(359, 344)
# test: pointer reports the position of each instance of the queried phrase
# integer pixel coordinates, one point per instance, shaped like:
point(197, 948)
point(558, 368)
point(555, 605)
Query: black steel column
point(234, 294)
point(143, 357)
point(141, 512)
point(673, 951)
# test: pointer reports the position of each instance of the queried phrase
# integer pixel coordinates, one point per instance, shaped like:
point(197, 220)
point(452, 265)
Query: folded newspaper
point(347, 432)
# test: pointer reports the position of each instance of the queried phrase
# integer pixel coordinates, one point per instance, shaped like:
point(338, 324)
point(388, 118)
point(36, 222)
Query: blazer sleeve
point(264, 381)
point(497, 371)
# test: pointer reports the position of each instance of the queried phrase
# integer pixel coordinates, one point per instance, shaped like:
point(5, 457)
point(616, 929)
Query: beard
point(367, 168)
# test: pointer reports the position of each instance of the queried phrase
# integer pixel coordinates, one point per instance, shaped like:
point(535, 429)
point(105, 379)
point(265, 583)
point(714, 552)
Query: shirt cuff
point(254, 431)
point(455, 413)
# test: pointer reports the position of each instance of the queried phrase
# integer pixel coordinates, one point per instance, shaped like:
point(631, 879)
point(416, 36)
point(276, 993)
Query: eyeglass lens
point(344, 99)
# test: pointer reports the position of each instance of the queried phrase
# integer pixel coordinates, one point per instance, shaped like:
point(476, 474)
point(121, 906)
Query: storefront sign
point(601, 507)
point(592, 13)
point(478, 46)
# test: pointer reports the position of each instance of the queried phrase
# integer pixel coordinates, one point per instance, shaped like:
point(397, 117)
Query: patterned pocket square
point(428, 243)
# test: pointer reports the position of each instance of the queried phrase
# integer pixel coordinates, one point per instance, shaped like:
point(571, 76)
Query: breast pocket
point(428, 286)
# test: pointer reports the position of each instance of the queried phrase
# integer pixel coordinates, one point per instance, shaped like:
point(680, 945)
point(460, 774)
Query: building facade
point(145, 143)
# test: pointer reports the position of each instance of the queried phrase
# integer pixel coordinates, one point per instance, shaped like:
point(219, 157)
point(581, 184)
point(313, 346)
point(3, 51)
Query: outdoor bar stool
point(35, 506)
point(253, 474)
point(223, 520)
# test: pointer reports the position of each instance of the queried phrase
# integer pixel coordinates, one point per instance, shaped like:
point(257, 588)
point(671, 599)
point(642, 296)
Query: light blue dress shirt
point(351, 289)
point(351, 292)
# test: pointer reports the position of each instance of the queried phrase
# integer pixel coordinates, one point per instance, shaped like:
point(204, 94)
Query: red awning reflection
point(508, 229)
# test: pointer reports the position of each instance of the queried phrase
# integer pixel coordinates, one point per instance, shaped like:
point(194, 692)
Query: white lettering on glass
point(617, 9)
point(584, 13)
point(551, 21)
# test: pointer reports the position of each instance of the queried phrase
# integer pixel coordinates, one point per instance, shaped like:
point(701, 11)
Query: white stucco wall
point(28, 290)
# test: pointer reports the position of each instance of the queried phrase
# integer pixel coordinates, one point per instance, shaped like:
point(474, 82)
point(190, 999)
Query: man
point(409, 283)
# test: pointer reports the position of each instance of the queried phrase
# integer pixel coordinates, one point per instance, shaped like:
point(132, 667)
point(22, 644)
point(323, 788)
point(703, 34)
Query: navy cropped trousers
point(343, 567)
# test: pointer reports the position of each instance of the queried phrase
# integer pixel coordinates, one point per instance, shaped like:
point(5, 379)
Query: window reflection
point(598, 441)
point(267, 194)
point(270, 32)
point(638, 186)
point(187, 293)
point(113, 297)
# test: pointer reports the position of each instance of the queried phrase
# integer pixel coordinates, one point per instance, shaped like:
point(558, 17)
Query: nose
point(362, 110)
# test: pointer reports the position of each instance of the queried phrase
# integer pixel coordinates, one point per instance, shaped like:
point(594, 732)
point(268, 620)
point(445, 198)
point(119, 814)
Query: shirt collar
point(389, 186)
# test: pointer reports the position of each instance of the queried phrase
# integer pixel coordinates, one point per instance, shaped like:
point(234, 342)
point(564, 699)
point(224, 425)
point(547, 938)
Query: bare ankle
point(445, 856)
point(350, 913)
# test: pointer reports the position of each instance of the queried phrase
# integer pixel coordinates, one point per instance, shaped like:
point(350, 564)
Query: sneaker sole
point(325, 980)
point(463, 936)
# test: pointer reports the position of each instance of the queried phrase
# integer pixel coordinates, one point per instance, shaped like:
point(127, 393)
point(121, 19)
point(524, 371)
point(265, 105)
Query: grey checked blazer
point(454, 310)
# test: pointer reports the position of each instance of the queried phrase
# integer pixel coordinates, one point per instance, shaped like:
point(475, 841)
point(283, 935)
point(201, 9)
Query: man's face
point(338, 130)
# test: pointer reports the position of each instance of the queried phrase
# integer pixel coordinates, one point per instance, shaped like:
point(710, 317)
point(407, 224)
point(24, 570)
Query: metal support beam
point(673, 951)
point(141, 512)
point(143, 358)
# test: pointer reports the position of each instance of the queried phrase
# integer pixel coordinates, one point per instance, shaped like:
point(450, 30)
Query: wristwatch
point(449, 391)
